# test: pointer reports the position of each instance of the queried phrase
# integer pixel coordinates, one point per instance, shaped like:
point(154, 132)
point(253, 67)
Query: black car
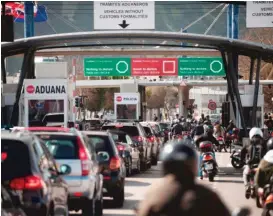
point(128, 150)
point(112, 166)
point(29, 169)
point(138, 134)
point(10, 203)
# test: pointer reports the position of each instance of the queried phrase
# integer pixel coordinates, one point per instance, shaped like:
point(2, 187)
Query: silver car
point(85, 181)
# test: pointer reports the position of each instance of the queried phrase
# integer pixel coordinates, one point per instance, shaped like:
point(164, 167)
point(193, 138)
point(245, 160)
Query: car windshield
point(119, 137)
point(147, 130)
point(131, 130)
point(15, 159)
point(61, 146)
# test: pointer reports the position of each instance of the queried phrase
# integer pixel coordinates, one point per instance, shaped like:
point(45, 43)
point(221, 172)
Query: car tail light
point(83, 157)
point(120, 147)
point(4, 156)
point(27, 183)
point(139, 139)
point(151, 139)
point(114, 163)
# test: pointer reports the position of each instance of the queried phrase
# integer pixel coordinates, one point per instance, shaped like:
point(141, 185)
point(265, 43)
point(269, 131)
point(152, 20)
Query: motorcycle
point(177, 137)
point(236, 161)
point(266, 198)
point(208, 166)
point(221, 141)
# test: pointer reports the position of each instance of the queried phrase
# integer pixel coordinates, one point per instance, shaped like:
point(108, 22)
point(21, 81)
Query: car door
point(60, 188)
point(133, 150)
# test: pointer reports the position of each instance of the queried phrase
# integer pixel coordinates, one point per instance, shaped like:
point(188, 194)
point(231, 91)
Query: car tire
point(99, 207)
point(129, 168)
point(119, 198)
point(89, 208)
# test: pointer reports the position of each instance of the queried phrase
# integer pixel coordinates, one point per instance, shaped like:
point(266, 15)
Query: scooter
point(221, 141)
point(266, 198)
point(252, 192)
point(208, 166)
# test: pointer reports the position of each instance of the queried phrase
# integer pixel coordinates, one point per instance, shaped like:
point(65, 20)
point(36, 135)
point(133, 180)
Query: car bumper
point(112, 186)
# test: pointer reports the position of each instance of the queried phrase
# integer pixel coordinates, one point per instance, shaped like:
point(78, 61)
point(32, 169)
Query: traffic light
point(77, 102)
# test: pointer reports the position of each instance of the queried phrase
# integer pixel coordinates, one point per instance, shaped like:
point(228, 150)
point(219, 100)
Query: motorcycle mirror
point(244, 211)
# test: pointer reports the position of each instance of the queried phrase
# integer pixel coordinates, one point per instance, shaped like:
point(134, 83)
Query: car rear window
point(147, 130)
point(119, 137)
point(130, 130)
point(164, 126)
point(15, 159)
point(95, 122)
point(54, 118)
point(102, 143)
point(61, 146)
point(156, 128)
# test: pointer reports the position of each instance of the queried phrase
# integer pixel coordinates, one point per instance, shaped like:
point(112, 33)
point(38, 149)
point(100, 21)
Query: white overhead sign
point(259, 14)
point(113, 15)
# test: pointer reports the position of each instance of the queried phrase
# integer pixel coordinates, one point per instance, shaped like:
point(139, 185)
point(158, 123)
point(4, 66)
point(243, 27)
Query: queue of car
point(54, 170)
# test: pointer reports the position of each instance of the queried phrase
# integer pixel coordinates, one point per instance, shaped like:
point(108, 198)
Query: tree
point(156, 97)
point(260, 35)
point(109, 98)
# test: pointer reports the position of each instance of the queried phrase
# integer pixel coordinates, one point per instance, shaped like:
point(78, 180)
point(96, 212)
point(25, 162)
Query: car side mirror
point(64, 169)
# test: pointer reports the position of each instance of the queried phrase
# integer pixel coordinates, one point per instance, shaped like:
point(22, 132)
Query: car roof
point(54, 114)
point(25, 138)
point(102, 133)
point(153, 122)
point(54, 133)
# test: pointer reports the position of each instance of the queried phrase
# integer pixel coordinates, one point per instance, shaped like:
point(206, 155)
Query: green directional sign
point(107, 67)
point(194, 66)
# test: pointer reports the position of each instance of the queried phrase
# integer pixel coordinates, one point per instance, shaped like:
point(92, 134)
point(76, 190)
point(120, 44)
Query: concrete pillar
point(183, 100)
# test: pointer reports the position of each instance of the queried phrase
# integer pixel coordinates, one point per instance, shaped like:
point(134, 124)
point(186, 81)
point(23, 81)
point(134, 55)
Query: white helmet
point(255, 131)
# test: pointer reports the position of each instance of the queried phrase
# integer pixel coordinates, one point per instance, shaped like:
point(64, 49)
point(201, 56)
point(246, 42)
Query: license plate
point(209, 166)
point(221, 143)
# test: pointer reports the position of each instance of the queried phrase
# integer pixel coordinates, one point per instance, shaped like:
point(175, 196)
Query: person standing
point(155, 117)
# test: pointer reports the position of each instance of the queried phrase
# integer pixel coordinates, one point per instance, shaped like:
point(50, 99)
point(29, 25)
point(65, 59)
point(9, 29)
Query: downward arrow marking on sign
point(123, 24)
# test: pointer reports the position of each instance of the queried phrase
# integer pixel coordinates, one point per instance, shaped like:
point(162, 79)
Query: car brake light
point(139, 138)
point(4, 156)
point(27, 183)
point(114, 163)
point(151, 139)
point(83, 157)
point(120, 147)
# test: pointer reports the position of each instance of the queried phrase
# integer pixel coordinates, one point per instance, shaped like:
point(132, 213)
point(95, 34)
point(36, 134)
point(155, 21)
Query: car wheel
point(129, 168)
point(88, 208)
point(119, 198)
point(99, 207)
point(154, 161)
point(143, 166)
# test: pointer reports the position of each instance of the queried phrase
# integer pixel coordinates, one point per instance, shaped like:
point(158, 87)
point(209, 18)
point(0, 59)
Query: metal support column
point(28, 56)
point(256, 93)
point(29, 19)
point(3, 70)
point(234, 83)
point(230, 87)
point(252, 63)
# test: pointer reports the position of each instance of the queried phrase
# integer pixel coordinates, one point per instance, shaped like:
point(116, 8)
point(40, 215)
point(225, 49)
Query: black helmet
point(180, 159)
point(270, 144)
point(208, 129)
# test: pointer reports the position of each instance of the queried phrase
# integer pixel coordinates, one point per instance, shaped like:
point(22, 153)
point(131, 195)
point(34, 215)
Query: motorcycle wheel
point(211, 177)
point(236, 165)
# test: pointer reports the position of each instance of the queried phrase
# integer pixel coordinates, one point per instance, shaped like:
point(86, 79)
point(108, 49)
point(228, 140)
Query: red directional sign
point(154, 67)
point(212, 105)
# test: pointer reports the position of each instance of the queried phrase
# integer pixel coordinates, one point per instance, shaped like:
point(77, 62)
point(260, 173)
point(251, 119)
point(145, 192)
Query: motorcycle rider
point(177, 128)
point(252, 154)
point(208, 136)
point(265, 168)
point(198, 130)
point(230, 127)
point(177, 193)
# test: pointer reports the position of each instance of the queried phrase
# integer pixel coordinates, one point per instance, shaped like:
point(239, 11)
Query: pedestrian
point(155, 117)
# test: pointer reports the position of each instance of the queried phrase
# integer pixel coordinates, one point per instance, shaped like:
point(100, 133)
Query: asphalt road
point(228, 184)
